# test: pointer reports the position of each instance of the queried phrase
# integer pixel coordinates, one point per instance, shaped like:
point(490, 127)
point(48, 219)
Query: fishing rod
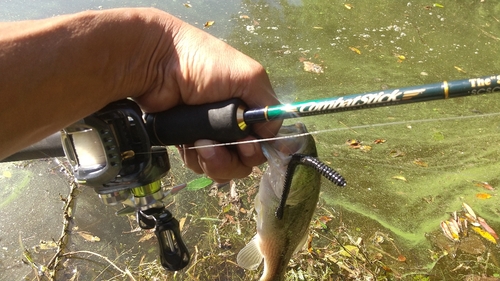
point(230, 120)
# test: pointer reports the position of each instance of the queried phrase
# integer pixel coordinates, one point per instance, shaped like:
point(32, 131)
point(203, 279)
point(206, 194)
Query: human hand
point(192, 67)
point(61, 69)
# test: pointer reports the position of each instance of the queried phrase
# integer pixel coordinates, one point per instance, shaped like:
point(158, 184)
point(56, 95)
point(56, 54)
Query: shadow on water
point(385, 225)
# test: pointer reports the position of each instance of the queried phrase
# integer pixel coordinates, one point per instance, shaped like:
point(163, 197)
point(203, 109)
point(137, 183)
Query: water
point(457, 41)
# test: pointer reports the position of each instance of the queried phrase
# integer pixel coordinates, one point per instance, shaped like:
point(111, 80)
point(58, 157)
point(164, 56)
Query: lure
point(309, 161)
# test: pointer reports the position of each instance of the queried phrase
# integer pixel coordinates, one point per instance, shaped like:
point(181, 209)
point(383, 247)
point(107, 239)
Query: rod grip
point(220, 121)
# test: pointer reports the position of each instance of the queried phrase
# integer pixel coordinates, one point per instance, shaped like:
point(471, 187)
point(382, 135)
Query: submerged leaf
point(356, 50)
point(320, 223)
point(349, 251)
point(198, 183)
point(396, 153)
point(88, 236)
point(420, 163)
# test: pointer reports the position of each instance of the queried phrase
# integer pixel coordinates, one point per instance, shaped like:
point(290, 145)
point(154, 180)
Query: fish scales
point(277, 240)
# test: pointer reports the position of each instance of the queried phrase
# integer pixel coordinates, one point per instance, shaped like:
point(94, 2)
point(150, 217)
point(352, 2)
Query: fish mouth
point(293, 142)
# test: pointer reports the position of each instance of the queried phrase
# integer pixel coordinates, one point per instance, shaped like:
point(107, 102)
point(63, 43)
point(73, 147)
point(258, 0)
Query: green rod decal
point(451, 89)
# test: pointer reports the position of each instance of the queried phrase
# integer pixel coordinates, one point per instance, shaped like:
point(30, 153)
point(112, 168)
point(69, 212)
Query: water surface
point(362, 46)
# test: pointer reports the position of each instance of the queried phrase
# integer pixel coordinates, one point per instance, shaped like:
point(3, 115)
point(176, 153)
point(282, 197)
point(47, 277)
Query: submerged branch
point(125, 272)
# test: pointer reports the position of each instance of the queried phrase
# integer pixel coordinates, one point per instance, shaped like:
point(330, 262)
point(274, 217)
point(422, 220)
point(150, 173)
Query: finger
point(250, 154)
point(190, 158)
point(220, 163)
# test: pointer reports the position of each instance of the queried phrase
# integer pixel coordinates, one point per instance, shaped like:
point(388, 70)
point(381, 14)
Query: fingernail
point(205, 152)
point(247, 150)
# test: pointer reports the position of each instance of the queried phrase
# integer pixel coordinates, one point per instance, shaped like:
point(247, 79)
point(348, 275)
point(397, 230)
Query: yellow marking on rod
point(412, 93)
point(242, 125)
point(265, 112)
point(446, 89)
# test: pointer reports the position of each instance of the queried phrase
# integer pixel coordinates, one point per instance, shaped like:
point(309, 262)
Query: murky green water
point(359, 49)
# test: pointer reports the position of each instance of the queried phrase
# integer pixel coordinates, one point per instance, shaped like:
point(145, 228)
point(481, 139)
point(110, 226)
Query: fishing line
point(350, 128)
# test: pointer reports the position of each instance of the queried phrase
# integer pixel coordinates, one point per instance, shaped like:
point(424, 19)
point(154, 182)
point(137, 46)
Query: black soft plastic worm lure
point(310, 161)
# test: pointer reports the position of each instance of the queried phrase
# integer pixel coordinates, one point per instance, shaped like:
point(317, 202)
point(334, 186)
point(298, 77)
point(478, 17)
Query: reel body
point(111, 152)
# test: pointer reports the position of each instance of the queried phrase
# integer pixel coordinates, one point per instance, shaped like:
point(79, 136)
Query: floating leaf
point(353, 143)
point(486, 227)
point(483, 195)
point(468, 210)
point(198, 183)
point(401, 178)
point(208, 24)
point(312, 67)
point(437, 5)
point(365, 148)
point(7, 174)
point(459, 69)
point(348, 6)
point(484, 185)
point(379, 141)
point(187, 5)
point(486, 235)
point(244, 17)
point(317, 27)
point(356, 50)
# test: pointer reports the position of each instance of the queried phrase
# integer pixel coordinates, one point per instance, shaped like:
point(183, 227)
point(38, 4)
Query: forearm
point(56, 71)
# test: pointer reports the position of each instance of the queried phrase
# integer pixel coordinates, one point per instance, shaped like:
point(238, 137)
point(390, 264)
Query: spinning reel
point(111, 151)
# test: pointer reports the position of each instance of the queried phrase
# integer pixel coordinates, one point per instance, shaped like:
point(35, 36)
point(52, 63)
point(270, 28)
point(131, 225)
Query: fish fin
point(301, 243)
point(250, 257)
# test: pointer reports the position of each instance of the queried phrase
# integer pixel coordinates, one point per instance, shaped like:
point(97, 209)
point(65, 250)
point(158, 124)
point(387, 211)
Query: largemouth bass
point(284, 216)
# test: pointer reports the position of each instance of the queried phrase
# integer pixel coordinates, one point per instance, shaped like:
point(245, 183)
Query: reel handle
point(220, 121)
point(174, 254)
